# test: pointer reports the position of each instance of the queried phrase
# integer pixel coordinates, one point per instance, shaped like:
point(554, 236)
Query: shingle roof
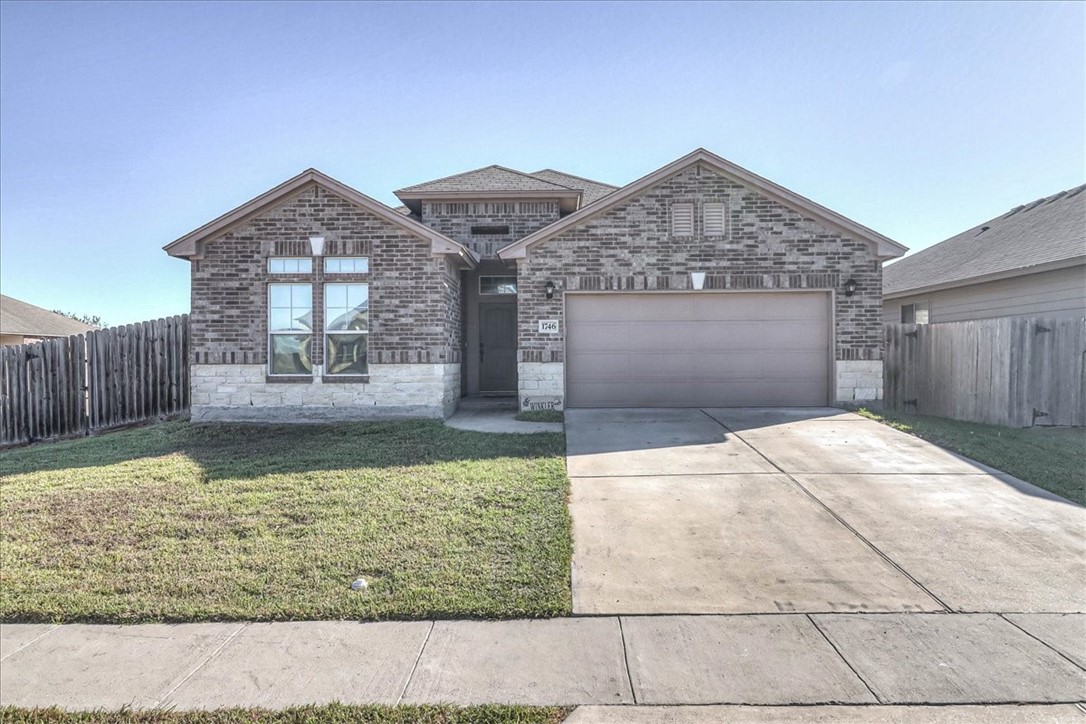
point(590, 190)
point(17, 317)
point(489, 178)
point(1049, 230)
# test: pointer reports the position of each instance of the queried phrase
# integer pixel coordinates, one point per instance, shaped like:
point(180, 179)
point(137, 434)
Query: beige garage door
point(697, 349)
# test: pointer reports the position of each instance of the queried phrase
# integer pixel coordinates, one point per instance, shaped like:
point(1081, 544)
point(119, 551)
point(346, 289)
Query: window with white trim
point(682, 219)
point(346, 265)
point(713, 218)
point(290, 265)
point(346, 328)
point(290, 329)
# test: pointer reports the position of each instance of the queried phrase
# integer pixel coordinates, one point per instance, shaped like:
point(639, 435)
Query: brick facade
point(766, 246)
point(456, 220)
point(414, 295)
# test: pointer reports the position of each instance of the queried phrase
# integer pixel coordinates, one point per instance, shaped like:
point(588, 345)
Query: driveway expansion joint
point(833, 513)
point(836, 650)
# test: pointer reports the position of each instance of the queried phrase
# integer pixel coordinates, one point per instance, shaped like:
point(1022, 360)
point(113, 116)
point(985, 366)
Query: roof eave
point(190, 246)
point(992, 277)
point(885, 248)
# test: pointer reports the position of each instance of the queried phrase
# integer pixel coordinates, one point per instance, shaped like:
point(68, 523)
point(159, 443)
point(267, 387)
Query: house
point(1029, 261)
point(700, 284)
point(22, 323)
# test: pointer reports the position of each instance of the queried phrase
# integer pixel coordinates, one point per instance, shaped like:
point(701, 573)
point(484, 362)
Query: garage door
point(697, 349)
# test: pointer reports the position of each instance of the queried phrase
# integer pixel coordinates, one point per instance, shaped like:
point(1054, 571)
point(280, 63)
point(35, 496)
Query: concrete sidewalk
point(798, 659)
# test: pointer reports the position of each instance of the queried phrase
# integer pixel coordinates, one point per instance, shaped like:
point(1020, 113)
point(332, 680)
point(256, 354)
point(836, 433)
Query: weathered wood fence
point(106, 378)
point(1012, 371)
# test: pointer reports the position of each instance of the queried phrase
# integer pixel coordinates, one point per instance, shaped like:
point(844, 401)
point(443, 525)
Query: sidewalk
point(856, 659)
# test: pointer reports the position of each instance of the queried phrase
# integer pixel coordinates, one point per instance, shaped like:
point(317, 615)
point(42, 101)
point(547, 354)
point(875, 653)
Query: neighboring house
point(22, 323)
point(700, 284)
point(1029, 261)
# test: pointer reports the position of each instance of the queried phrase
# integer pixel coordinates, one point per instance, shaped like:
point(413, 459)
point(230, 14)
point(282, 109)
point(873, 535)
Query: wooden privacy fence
point(103, 379)
point(1013, 371)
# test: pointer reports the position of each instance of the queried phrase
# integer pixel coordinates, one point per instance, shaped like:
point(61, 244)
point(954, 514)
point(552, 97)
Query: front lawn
point(1053, 458)
point(331, 714)
point(181, 522)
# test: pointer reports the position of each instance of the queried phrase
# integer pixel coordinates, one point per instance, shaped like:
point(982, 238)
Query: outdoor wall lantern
point(549, 289)
point(316, 243)
point(850, 287)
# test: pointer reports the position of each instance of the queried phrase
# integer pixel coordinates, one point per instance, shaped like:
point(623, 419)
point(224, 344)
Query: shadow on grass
point(241, 451)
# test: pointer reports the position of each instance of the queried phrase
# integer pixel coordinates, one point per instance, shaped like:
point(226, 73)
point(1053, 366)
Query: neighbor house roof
point(592, 191)
point(1048, 233)
point(885, 248)
point(190, 245)
point(18, 317)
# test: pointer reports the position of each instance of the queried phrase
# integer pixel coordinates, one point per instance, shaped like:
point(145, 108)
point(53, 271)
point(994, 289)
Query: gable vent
point(682, 219)
point(713, 219)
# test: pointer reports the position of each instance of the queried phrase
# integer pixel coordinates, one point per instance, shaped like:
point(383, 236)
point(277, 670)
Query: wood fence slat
point(1015, 371)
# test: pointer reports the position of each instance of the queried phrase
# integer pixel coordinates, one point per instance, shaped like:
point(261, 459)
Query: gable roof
point(190, 245)
point(592, 191)
point(488, 178)
point(1045, 234)
point(22, 318)
point(885, 248)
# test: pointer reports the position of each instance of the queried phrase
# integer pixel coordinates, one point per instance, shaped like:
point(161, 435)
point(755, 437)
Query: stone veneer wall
point(766, 246)
point(859, 381)
point(415, 314)
point(455, 219)
point(241, 393)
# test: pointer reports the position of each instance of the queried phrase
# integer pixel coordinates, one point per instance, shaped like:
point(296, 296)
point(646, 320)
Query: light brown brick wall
point(414, 295)
point(767, 246)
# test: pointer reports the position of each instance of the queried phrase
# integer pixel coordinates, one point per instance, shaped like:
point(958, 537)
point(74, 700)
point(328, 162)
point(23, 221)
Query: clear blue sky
point(124, 126)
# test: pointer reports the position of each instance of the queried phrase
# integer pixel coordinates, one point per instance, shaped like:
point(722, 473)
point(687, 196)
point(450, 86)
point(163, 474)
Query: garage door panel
point(697, 349)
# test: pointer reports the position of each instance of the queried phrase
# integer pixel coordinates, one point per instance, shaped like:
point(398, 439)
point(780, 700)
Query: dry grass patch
point(183, 522)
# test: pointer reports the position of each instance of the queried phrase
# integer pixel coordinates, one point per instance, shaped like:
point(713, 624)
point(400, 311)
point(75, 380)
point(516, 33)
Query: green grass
point(181, 522)
point(541, 416)
point(332, 714)
point(1053, 458)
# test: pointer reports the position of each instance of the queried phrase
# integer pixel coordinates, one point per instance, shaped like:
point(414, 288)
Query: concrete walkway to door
point(805, 510)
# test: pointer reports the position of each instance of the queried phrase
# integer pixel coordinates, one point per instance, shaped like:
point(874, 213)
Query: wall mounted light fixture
point(549, 289)
point(316, 243)
point(850, 287)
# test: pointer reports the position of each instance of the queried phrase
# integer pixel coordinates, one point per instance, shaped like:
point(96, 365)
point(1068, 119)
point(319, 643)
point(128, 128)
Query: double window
point(291, 323)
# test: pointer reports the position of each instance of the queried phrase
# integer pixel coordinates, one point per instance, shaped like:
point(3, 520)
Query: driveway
point(805, 510)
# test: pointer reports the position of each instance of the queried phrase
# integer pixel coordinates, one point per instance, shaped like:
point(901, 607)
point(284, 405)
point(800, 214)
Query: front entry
point(498, 347)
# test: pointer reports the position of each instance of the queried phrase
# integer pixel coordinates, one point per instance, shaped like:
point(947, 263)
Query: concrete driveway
point(805, 510)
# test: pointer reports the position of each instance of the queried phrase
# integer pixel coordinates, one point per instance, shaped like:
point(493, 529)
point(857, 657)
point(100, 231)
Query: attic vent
point(682, 219)
point(490, 230)
point(713, 219)
point(983, 229)
point(1076, 192)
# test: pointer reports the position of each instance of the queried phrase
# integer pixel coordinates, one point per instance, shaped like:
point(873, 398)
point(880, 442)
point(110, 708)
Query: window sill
point(345, 379)
point(289, 379)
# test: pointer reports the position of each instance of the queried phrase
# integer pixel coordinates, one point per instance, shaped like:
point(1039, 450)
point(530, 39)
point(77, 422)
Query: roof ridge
point(573, 175)
point(534, 178)
point(477, 170)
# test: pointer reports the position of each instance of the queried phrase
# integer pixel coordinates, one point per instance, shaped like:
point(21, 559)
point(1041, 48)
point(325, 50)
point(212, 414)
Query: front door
point(497, 347)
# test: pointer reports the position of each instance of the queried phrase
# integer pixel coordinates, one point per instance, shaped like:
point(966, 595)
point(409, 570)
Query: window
point(713, 219)
point(497, 285)
point(290, 329)
point(914, 313)
point(290, 265)
point(346, 265)
point(490, 230)
point(346, 327)
point(682, 219)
